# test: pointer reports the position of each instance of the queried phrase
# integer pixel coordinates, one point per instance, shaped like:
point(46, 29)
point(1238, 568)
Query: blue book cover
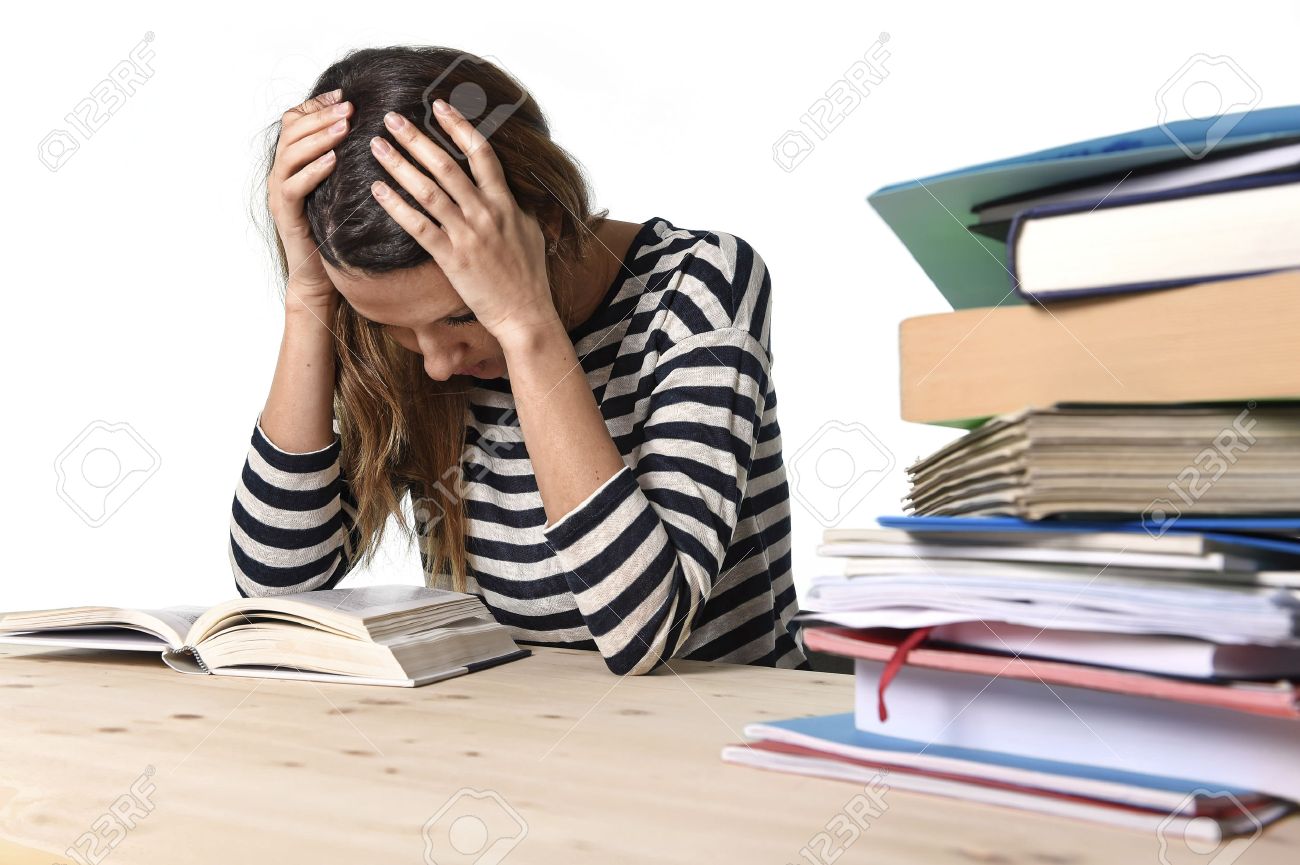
point(839, 729)
point(931, 215)
point(1247, 531)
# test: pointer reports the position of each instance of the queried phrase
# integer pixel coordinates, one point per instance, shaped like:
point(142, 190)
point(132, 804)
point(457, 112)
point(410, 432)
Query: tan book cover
point(1225, 340)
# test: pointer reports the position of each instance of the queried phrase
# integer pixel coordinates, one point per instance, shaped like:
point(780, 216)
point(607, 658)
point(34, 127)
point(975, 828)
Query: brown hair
point(399, 429)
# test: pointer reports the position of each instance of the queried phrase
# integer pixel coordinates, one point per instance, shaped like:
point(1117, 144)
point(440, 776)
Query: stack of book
point(1092, 606)
point(1084, 669)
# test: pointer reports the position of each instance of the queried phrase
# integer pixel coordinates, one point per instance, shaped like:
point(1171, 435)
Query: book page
point(116, 639)
point(179, 619)
point(168, 624)
point(373, 601)
point(346, 610)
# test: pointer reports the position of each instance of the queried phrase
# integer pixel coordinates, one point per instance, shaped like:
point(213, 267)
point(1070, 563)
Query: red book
point(1275, 699)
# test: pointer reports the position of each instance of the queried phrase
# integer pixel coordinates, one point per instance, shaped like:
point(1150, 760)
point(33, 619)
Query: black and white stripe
point(684, 553)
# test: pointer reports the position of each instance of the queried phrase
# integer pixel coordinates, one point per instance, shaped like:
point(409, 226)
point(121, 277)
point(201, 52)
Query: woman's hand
point(492, 252)
point(304, 156)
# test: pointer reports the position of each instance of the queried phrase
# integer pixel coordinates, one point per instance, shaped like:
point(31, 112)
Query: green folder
point(930, 215)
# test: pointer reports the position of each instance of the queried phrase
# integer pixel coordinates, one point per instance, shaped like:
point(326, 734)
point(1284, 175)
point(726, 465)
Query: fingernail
point(380, 190)
point(339, 127)
point(380, 145)
point(394, 120)
point(441, 107)
point(342, 108)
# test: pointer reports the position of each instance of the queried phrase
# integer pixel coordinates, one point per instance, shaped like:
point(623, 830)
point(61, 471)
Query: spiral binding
point(198, 660)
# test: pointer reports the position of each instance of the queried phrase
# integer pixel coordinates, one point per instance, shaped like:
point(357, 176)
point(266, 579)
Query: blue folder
point(969, 268)
point(1238, 530)
point(840, 730)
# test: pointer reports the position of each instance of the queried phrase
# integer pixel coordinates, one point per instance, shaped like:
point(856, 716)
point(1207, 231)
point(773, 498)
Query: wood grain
point(599, 769)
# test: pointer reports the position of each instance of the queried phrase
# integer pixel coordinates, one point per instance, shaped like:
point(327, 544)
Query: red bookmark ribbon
point(895, 663)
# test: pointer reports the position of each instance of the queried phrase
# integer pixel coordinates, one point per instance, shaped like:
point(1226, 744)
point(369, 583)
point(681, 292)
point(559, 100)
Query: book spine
point(194, 653)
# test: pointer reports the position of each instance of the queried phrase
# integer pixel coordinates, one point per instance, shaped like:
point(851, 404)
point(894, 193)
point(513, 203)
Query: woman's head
point(381, 270)
point(420, 310)
point(398, 399)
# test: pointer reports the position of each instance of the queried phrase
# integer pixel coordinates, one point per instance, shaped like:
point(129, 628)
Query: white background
point(139, 292)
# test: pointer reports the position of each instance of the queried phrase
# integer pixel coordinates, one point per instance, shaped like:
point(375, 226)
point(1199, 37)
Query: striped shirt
point(683, 553)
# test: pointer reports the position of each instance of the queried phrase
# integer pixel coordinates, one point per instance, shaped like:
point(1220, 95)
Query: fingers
point(444, 168)
point(432, 238)
point(295, 188)
point(305, 136)
point(426, 192)
point(319, 101)
point(305, 156)
point(488, 175)
point(314, 105)
point(300, 245)
point(330, 132)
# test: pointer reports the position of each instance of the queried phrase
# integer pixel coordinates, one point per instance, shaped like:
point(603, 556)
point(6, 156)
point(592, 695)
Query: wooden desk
point(600, 769)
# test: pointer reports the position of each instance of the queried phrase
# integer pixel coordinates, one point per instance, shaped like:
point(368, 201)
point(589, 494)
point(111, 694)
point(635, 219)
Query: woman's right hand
point(304, 156)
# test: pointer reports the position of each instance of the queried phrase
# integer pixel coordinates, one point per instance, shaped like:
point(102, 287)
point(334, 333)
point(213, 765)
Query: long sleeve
point(642, 553)
point(682, 553)
point(292, 520)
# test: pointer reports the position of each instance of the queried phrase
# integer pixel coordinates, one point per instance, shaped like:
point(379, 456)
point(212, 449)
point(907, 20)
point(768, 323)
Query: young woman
point(581, 409)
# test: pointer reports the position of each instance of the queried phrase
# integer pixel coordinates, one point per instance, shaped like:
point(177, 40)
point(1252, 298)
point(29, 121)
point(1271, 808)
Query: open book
point(377, 635)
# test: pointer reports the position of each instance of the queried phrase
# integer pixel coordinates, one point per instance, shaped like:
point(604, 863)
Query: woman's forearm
point(568, 443)
point(299, 412)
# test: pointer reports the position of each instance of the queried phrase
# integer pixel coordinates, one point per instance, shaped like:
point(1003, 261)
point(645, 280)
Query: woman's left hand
point(492, 252)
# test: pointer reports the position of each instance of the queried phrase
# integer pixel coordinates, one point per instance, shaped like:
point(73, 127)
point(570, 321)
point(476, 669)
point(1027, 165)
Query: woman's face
point(421, 311)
